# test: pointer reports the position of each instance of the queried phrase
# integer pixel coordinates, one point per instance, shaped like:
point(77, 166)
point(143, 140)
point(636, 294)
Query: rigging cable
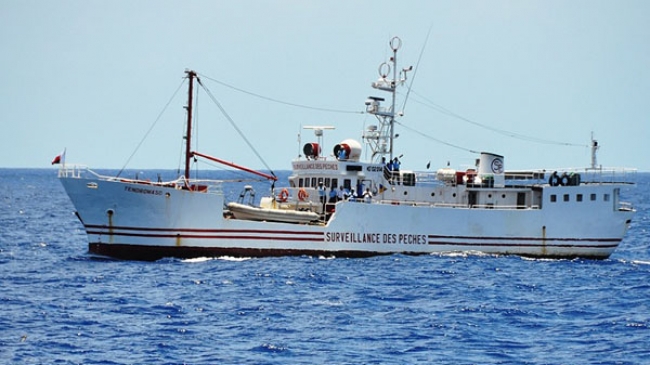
point(240, 176)
point(519, 136)
point(417, 67)
point(438, 140)
point(150, 128)
point(232, 122)
point(280, 101)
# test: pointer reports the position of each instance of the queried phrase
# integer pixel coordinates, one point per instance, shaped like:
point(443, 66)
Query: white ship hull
point(147, 222)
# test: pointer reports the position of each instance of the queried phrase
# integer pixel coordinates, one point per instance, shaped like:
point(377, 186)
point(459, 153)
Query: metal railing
point(200, 185)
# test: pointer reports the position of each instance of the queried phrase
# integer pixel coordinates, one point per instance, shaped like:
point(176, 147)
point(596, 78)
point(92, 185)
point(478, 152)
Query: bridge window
point(553, 198)
point(579, 197)
point(566, 197)
point(347, 184)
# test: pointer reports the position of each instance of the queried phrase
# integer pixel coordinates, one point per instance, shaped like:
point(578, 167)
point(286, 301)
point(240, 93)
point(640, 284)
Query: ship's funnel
point(352, 150)
point(491, 168)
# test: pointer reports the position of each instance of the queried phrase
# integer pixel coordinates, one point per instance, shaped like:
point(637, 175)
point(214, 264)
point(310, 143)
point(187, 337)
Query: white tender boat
point(273, 210)
point(383, 209)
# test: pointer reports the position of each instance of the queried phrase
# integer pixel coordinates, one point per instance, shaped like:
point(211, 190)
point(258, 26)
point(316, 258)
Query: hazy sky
point(93, 76)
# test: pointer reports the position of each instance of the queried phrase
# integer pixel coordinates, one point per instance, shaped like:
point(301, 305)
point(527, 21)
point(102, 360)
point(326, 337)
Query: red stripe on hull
point(434, 237)
point(198, 230)
point(215, 237)
point(493, 244)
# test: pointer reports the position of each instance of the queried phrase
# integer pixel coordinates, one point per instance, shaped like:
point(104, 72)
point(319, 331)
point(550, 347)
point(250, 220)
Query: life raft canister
point(283, 196)
point(303, 194)
point(554, 180)
point(564, 180)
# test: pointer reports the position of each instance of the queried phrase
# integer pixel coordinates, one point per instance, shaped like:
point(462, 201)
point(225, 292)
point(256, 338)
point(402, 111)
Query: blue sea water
point(59, 305)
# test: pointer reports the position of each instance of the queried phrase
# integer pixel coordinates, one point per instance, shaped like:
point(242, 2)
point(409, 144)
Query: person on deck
point(321, 192)
point(395, 170)
point(367, 196)
point(333, 195)
point(396, 164)
point(342, 193)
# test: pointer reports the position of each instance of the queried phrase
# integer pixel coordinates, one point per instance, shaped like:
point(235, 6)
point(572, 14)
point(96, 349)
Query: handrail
point(455, 205)
point(211, 186)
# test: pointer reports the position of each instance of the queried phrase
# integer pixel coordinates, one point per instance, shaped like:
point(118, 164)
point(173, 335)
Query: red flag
point(59, 159)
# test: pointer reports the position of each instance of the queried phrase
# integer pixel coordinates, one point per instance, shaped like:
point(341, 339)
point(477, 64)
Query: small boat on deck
point(254, 213)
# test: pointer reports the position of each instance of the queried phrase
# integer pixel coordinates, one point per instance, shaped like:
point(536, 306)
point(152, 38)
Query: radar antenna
point(314, 150)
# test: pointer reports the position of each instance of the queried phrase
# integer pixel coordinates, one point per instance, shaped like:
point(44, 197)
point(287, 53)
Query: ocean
point(60, 305)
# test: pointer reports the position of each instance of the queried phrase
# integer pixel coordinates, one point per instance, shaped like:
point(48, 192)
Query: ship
point(339, 204)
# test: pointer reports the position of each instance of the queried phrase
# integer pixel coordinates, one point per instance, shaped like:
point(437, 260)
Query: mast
point(395, 44)
point(381, 138)
point(189, 154)
point(191, 75)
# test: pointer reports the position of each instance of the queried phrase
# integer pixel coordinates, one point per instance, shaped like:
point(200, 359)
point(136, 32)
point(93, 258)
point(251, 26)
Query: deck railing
point(200, 185)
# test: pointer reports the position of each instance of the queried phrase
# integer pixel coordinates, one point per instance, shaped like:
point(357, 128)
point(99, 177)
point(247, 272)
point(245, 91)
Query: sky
point(529, 80)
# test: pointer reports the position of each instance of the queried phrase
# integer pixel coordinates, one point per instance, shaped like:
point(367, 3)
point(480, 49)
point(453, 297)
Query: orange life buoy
point(303, 194)
point(284, 195)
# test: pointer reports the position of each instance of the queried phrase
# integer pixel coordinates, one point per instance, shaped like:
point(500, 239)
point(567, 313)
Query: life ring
point(303, 194)
point(554, 180)
point(283, 196)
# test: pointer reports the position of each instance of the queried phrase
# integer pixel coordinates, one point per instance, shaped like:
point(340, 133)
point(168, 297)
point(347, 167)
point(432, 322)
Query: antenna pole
point(188, 136)
point(594, 149)
point(378, 138)
point(393, 87)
